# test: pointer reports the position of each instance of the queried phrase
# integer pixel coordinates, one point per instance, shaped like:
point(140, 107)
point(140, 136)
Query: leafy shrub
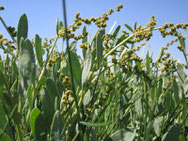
point(107, 93)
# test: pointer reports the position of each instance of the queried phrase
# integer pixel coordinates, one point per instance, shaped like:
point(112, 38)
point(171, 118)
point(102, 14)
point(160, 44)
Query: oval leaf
point(4, 136)
point(93, 124)
point(128, 27)
point(87, 66)
point(22, 29)
point(99, 43)
point(38, 49)
point(172, 134)
point(26, 64)
point(37, 123)
point(52, 89)
point(123, 135)
point(57, 127)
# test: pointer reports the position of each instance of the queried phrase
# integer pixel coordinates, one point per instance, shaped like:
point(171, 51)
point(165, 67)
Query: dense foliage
point(107, 93)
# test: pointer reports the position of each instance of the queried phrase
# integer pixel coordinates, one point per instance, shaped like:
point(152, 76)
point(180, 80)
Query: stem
point(112, 50)
point(69, 58)
point(124, 41)
point(7, 29)
point(76, 136)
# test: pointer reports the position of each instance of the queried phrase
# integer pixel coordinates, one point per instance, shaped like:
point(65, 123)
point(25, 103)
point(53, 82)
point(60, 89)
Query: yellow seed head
point(77, 15)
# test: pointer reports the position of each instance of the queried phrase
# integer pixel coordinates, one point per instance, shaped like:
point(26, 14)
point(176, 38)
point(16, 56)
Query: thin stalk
point(124, 41)
point(121, 43)
point(76, 136)
point(70, 61)
point(6, 27)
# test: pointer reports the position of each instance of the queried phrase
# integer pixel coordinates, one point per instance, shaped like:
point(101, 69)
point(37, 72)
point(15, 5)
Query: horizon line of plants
point(111, 94)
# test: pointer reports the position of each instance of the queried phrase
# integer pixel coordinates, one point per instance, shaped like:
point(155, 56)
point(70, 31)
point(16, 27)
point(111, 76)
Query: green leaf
point(172, 134)
point(177, 91)
point(94, 66)
point(86, 67)
point(182, 43)
point(185, 86)
point(57, 127)
point(157, 125)
point(135, 25)
point(99, 43)
point(121, 39)
point(3, 119)
point(1, 88)
point(84, 40)
point(160, 55)
point(159, 89)
point(138, 107)
point(73, 46)
point(4, 136)
point(47, 106)
point(26, 64)
point(37, 123)
point(124, 135)
point(15, 68)
point(116, 32)
point(57, 26)
point(52, 90)
point(181, 73)
point(22, 29)
point(148, 63)
point(29, 96)
point(128, 27)
point(38, 49)
point(93, 124)
point(60, 24)
point(76, 68)
point(87, 98)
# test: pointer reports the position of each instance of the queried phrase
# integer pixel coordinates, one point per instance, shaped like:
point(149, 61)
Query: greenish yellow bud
point(2, 8)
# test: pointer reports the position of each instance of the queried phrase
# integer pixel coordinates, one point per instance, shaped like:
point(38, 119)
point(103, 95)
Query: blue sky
point(42, 15)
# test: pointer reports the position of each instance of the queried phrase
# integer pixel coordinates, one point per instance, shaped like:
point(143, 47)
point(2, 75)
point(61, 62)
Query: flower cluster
point(4, 40)
point(52, 60)
point(12, 31)
point(84, 45)
point(171, 29)
point(142, 33)
point(62, 33)
point(152, 22)
point(9, 44)
point(2, 8)
point(107, 42)
point(67, 98)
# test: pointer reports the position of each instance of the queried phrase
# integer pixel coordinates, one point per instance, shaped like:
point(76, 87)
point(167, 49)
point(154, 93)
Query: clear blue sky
point(42, 15)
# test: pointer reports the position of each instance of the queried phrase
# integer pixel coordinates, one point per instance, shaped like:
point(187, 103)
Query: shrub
point(107, 93)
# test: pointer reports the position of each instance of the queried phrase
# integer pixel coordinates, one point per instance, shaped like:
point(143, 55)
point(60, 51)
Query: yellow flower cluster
point(171, 29)
point(52, 60)
point(4, 40)
point(84, 45)
point(68, 94)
